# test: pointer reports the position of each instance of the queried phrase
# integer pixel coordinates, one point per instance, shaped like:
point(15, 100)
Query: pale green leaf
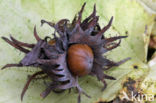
point(18, 17)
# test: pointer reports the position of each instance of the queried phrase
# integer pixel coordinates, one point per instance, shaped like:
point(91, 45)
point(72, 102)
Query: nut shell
point(80, 59)
point(51, 42)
